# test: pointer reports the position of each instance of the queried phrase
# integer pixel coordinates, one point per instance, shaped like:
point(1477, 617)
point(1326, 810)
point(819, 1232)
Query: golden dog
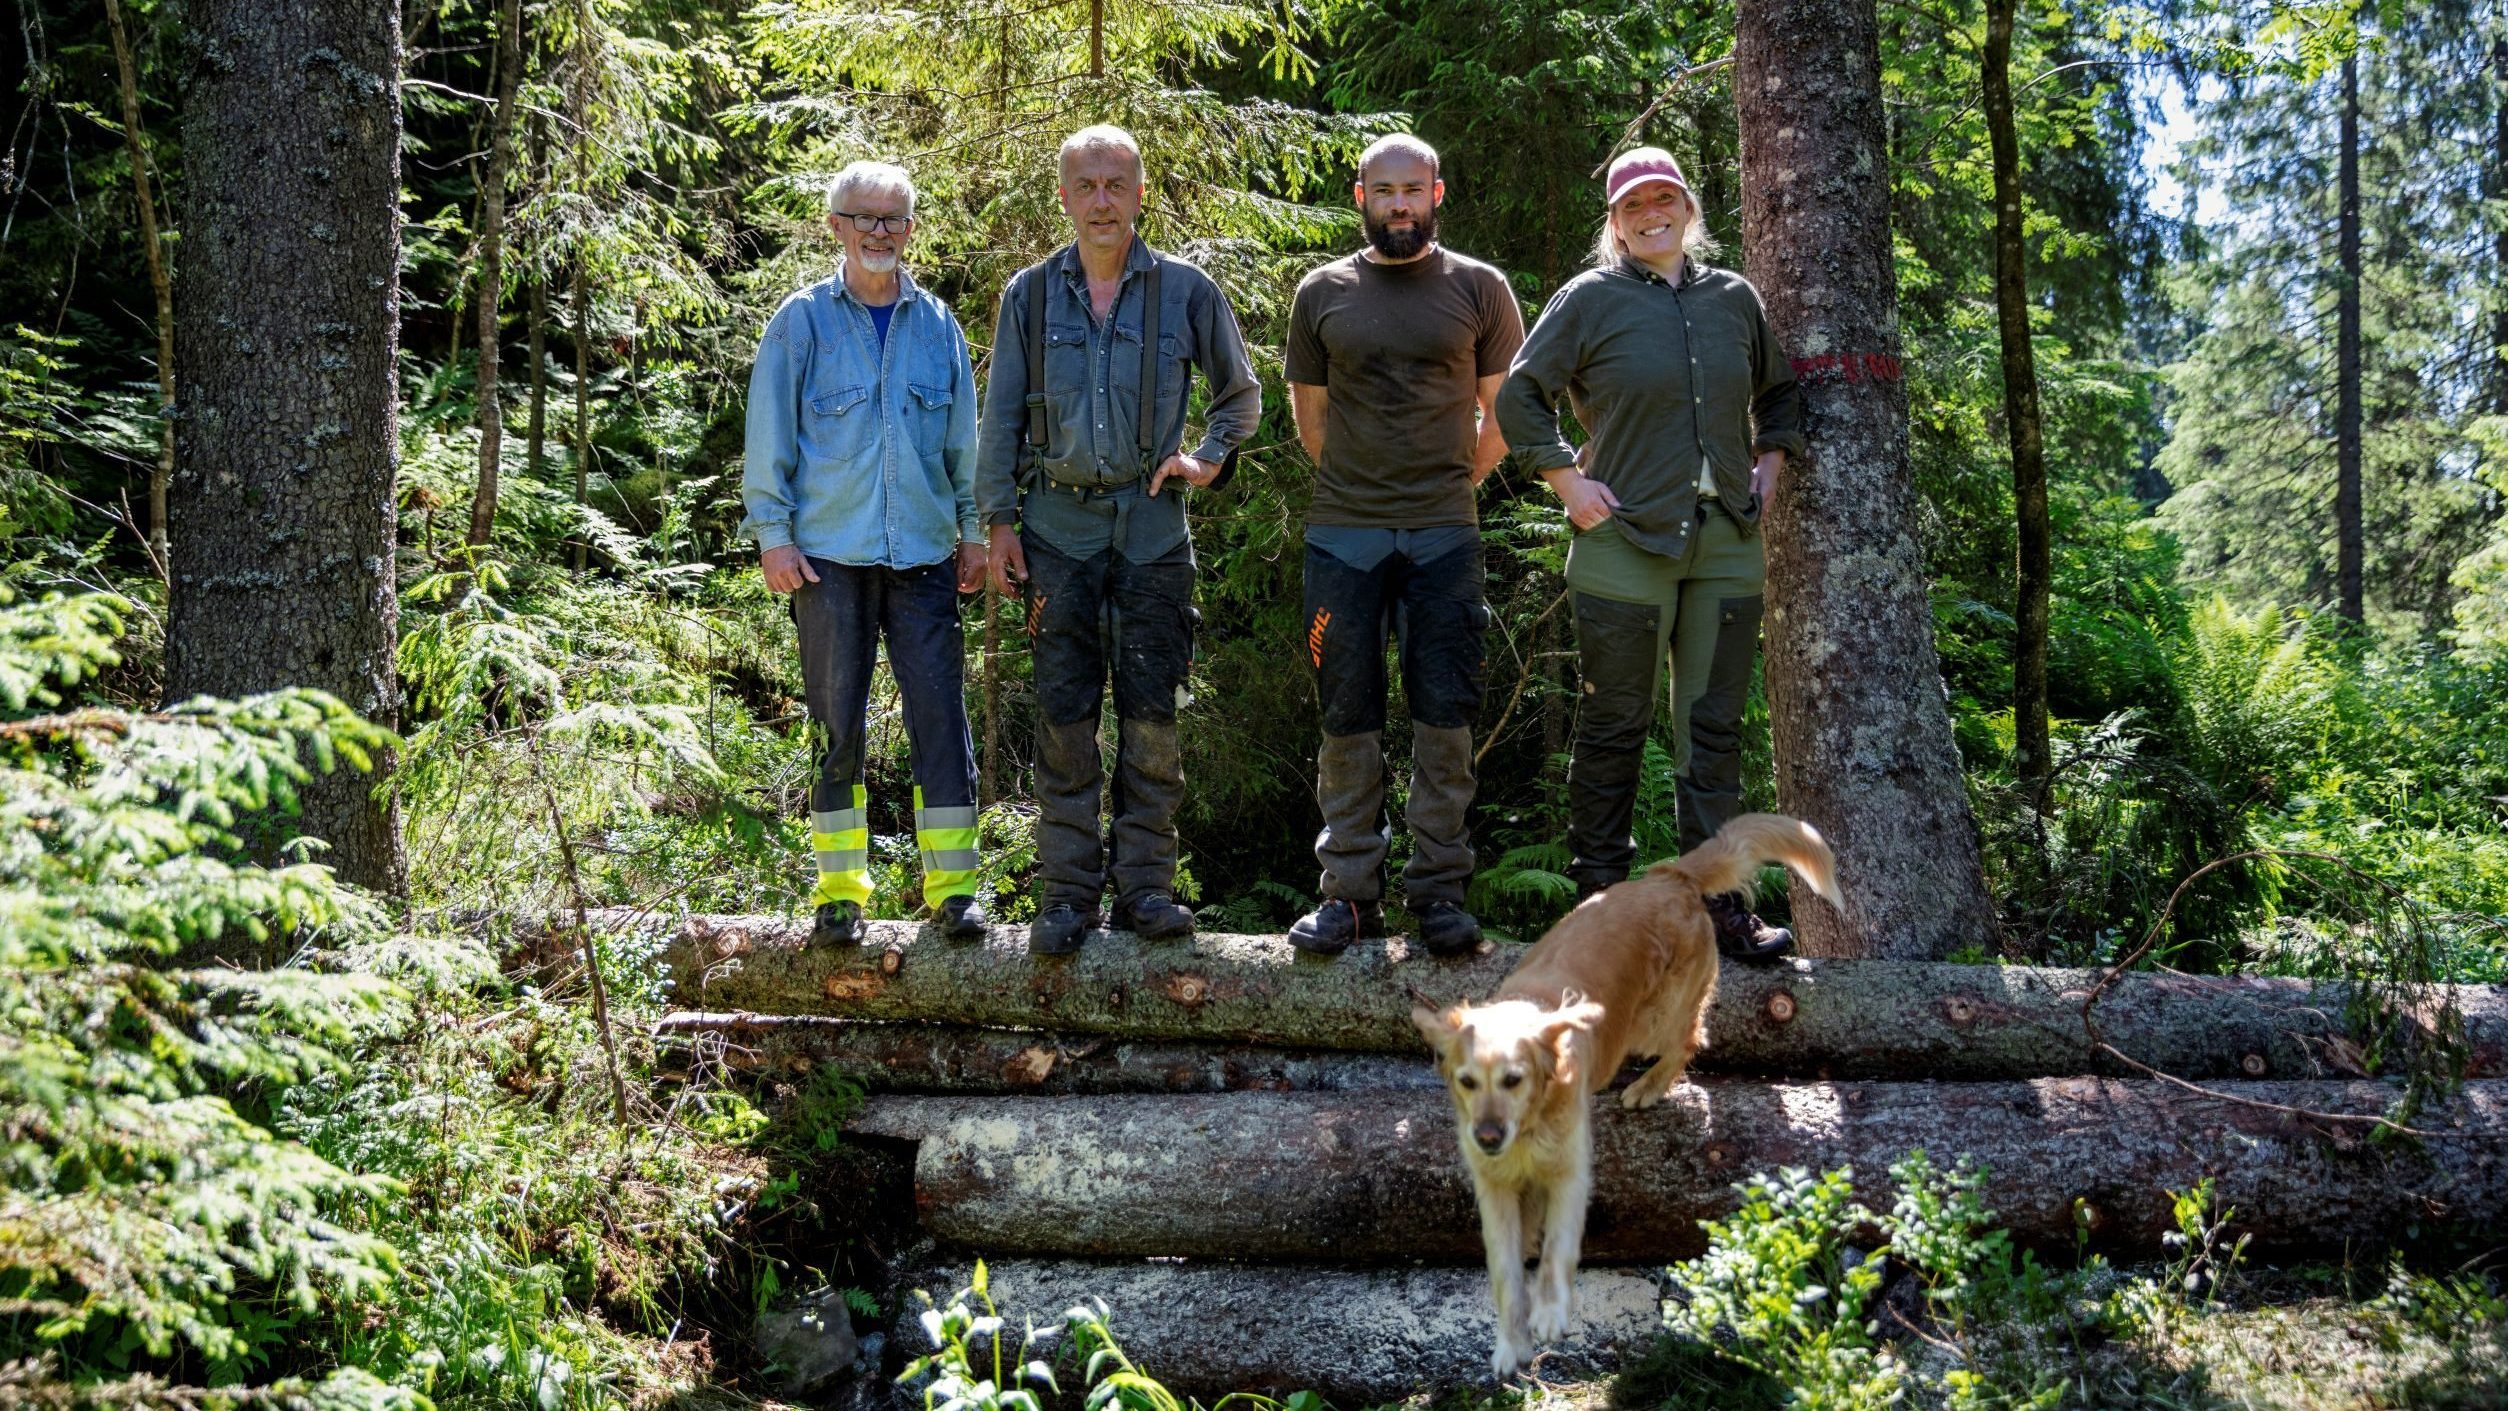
point(1628, 972)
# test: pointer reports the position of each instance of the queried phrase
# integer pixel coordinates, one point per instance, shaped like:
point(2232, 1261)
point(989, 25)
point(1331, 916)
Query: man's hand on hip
point(1196, 473)
point(786, 569)
point(1007, 564)
point(971, 557)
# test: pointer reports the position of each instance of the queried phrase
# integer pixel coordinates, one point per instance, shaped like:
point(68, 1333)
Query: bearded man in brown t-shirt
point(1394, 360)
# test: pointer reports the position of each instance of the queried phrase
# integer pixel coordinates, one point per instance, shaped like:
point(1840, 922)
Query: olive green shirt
point(1663, 378)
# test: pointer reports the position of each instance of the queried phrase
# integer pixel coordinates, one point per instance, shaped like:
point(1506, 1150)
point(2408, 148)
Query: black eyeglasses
point(882, 225)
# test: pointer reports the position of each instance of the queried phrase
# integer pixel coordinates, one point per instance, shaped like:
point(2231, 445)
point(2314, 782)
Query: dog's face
point(1503, 1062)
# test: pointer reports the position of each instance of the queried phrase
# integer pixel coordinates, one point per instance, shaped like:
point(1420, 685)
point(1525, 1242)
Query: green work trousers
point(1636, 610)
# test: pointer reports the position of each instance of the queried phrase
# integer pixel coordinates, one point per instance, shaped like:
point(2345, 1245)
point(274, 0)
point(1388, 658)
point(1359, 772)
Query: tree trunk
point(134, 137)
point(583, 407)
point(492, 273)
point(1375, 1177)
point(1829, 1018)
point(2499, 265)
point(1855, 701)
point(2348, 548)
point(2032, 759)
point(287, 316)
point(1357, 1338)
point(942, 1058)
point(537, 456)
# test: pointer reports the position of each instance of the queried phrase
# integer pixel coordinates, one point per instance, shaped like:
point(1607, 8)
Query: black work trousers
point(1090, 618)
point(1434, 610)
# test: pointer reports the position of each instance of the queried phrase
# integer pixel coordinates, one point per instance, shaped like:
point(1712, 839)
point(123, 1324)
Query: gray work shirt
point(1092, 472)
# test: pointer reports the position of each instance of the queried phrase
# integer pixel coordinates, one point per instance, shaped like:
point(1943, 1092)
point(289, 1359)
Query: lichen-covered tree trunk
point(287, 307)
point(1376, 1177)
point(1855, 701)
point(1825, 1018)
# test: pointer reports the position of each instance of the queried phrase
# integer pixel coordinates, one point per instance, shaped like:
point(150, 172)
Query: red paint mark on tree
point(1848, 367)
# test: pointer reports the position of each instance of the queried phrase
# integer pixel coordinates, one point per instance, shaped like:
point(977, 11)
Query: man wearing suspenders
point(1080, 478)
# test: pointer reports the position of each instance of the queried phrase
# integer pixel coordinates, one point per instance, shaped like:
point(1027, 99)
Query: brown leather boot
point(1741, 934)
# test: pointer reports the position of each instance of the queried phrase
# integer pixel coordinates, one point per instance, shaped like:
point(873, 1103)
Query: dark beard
point(1402, 244)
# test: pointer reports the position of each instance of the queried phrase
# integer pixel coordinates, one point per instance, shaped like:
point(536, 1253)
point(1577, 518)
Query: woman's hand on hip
point(1588, 502)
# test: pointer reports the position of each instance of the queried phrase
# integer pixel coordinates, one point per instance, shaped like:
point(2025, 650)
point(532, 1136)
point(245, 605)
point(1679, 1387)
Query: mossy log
point(944, 1058)
point(1376, 1177)
point(1811, 1018)
point(1358, 1337)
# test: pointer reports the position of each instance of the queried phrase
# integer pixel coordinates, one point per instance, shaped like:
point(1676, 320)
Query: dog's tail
point(1728, 861)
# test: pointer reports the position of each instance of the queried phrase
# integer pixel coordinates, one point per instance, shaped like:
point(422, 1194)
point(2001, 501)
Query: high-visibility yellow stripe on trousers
point(841, 844)
point(946, 838)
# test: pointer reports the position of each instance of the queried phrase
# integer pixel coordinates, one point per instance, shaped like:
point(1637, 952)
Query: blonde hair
point(1610, 249)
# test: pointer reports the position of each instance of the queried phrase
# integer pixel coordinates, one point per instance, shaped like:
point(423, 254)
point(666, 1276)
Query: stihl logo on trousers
point(1315, 636)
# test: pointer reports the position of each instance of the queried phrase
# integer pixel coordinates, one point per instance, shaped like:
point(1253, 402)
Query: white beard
point(878, 263)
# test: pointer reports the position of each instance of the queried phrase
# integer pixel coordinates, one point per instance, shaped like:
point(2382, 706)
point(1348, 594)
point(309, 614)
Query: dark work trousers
point(841, 619)
point(1079, 608)
point(1436, 612)
point(1636, 612)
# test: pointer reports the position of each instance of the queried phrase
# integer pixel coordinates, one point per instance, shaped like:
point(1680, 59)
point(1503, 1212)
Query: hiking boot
point(838, 923)
point(1588, 888)
point(1445, 928)
point(1742, 935)
point(1059, 930)
point(961, 918)
point(1334, 923)
point(1154, 916)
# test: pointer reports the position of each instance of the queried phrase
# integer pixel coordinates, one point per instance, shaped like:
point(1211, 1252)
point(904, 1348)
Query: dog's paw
point(1641, 1094)
point(1552, 1319)
point(1510, 1358)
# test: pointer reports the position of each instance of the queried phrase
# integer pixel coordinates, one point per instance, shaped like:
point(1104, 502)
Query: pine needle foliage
point(143, 1210)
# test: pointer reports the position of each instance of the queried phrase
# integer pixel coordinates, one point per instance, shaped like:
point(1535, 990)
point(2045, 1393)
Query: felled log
point(1825, 1018)
point(1376, 1176)
point(1359, 1337)
point(944, 1058)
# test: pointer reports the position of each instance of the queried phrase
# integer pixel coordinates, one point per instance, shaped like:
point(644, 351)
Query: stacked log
point(1163, 1111)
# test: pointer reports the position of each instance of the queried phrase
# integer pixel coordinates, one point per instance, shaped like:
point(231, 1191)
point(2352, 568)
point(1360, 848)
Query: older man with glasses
point(860, 485)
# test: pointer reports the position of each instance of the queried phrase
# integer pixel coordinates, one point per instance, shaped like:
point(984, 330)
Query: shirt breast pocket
point(843, 424)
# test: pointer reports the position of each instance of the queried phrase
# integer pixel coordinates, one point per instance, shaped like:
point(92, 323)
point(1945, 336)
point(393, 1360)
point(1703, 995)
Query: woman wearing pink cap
point(1689, 408)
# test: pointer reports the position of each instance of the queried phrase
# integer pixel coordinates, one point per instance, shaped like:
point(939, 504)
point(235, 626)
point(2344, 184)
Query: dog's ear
point(1441, 1027)
point(1565, 1032)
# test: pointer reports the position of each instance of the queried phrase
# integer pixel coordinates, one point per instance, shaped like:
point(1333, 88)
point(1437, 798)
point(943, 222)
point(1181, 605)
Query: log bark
point(1376, 1177)
point(287, 314)
point(1855, 698)
point(1356, 1337)
point(942, 1058)
point(1833, 1018)
point(2034, 576)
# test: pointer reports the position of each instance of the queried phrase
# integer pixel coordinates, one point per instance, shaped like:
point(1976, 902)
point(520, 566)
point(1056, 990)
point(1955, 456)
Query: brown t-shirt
point(1402, 349)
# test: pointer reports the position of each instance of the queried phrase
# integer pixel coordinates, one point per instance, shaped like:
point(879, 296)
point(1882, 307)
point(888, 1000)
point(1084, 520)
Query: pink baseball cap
point(1639, 165)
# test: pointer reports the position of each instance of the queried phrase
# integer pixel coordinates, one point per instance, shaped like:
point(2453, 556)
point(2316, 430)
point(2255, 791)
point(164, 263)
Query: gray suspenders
point(1037, 432)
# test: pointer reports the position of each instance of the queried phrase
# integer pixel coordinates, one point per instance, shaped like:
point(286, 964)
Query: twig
point(2099, 1044)
point(1522, 680)
point(1671, 81)
point(583, 933)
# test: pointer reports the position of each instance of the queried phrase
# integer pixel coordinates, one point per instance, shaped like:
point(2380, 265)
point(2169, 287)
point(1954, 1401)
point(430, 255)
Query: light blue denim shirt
point(859, 451)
